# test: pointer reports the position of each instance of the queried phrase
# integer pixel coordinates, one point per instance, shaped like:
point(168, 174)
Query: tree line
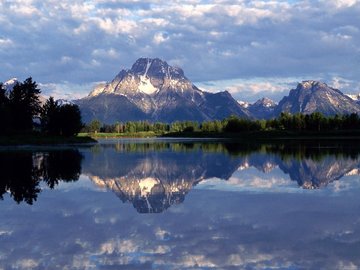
point(21, 112)
point(315, 122)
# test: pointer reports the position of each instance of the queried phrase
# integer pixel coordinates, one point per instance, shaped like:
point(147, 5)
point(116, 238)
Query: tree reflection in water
point(21, 172)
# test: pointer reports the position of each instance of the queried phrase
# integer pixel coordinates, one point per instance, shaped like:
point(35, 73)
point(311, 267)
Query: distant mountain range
point(155, 91)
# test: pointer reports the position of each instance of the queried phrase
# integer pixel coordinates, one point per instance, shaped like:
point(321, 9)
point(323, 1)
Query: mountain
point(356, 97)
point(153, 90)
point(62, 102)
point(244, 104)
point(314, 96)
point(9, 85)
point(263, 108)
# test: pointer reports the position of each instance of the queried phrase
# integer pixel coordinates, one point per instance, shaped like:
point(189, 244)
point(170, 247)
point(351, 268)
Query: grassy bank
point(263, 135)
point(100, 135)
point(39, 139)
point(271, 135)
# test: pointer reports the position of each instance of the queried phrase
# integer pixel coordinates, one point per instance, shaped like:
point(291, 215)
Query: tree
point(24, 105)
point(49, 117)
point(60, 120)
point(70, 120)
point(94, 126)
point(4, 110)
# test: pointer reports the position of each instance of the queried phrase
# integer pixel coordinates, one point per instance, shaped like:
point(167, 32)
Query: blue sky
point(251, 48)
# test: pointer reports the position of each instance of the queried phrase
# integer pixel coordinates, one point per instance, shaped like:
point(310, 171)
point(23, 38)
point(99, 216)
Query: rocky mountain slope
point(153, 90)
point(314, 96)
point(263, 108)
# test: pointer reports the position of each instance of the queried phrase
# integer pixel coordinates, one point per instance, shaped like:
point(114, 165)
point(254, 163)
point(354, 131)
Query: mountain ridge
point(314, 96)
point(152, 90)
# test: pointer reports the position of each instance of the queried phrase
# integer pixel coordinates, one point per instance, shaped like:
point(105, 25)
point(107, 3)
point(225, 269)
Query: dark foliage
point(60, 120)
point(21, 106)
point(315, 122)
point(4, 110)
point(24, 185)
point(24, 106)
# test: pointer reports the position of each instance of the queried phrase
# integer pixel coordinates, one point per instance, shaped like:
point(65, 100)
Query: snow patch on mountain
point(355, 97)
point(62, 102)
point(9, 84)
point(146, 86)
point(244, 104)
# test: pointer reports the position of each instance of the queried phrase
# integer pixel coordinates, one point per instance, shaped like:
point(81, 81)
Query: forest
point(315, 122)
point(21, 112)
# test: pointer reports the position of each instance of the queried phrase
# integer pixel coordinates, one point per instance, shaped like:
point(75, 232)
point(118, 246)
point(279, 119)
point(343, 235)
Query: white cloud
point(26, 264)
point(160, 38)
point(258, 41)
point(66, 90)
point(5, 42)
point(341, 3)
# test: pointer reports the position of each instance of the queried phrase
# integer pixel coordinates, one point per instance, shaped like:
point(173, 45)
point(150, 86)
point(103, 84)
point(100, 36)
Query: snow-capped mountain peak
point(355, 97)
point(265, 102)
point(262, 108)
point(147, 76)
point(314, 96)
point(311, 84)
point(9, 84)
point(154, 90)
point(62, 102)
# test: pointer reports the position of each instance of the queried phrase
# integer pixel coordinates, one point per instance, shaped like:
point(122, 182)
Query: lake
point(181, 204)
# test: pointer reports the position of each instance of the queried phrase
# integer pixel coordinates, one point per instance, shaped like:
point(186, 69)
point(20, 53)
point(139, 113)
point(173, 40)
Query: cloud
point(5, 42)
point(86, 41)
point(65, 90)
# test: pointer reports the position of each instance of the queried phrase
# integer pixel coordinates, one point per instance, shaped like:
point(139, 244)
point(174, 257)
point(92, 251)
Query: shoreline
point(272, 135)
point(248, 136)
point(38, 140)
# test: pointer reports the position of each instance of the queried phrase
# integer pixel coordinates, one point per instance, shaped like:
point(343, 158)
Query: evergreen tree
point(4, 110)
point(24, 105)
point(60, 120)
point(70, 120)
point(50, 117)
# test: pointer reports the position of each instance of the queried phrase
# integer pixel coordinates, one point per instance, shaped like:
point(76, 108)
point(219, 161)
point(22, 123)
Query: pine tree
point(24, 105)
point(4, 110)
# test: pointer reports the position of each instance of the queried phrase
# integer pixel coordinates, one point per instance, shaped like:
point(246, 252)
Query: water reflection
point(23, 171)
point(78, 226)
point(154, 176)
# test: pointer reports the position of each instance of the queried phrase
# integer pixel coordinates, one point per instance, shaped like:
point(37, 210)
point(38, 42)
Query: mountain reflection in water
point(154, 176)
point(246, 211)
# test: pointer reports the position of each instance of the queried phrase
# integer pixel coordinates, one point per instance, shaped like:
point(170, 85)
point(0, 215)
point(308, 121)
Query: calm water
point(165, 204)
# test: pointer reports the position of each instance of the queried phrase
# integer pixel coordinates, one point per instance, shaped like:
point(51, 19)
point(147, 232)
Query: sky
point(250, 48)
